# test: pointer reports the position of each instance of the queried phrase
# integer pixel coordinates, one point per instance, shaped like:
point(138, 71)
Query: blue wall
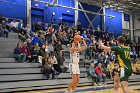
point(83, 19)
point(113, 24)
point(60, 13)
point(16, 10)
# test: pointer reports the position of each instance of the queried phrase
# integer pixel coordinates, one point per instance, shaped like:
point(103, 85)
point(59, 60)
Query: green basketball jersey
point(123, 56)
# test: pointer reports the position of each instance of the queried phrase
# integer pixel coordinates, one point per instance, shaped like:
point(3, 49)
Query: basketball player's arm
point(104, 47)
point(114, 48)
point(83, 47)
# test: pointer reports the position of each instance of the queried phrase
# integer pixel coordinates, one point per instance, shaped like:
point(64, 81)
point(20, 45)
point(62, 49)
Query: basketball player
point(123, 58)
point(74, 66)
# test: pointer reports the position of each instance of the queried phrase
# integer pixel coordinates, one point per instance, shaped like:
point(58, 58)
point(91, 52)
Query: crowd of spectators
point(44, 44)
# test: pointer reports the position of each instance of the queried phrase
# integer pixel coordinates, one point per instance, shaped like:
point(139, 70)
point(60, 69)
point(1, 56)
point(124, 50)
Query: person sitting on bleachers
point(48, 66)
point(58, 47)
point(0, 30)
point(4, 30)
point(26, 53)
point(92, 73)
point(133, 53)
point(65, 38)
point(18, 53)
point(42, 51)
point(110, 68)
point(61, 60)
point(7, 25)
point(13, 25)
point(35, 52)
point(22, 35)
point(51, 48)
point(35, 39)
point(46, 47)
point(99, 73)
point(20, 25)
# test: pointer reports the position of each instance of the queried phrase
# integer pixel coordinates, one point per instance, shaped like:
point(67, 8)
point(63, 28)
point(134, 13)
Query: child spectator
point(110, 68)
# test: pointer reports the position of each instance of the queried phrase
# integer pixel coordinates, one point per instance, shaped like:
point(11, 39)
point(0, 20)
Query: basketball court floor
point(134, 88)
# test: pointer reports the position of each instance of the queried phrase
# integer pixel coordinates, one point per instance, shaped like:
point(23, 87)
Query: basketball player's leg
point(116, 84)
point(124, 85)
point(124, 80)
point(76, 83)
point(72, 84)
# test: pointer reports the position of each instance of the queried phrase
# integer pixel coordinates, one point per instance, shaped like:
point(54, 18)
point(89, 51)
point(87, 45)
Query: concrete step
point(19, 65)
point(7, 50)
point(6, 55)
point(9, 40)
point(42, 87)
point(39, 83)
point(16, 71)
point(7, 60)
point(5, 78)
point(13, 35)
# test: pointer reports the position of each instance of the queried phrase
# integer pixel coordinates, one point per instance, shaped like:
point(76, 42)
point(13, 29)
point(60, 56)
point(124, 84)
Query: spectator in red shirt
point(26, 52)
point(99, 73)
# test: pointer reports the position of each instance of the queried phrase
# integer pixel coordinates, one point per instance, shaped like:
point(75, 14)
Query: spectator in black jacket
point(61, 60)
point(18, 53)
point(42, 51)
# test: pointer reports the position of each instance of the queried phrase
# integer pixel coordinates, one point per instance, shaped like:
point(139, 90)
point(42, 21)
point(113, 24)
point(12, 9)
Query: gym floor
point(134, 88)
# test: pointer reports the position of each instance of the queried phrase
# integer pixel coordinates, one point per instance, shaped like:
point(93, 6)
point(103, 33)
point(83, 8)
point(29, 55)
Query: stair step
point(5, 60)
point(41, 88)
point(27, 77)
point(27, 71)
point(6, 55)
point(19, 65)
point(26, 84)
point(9, 40)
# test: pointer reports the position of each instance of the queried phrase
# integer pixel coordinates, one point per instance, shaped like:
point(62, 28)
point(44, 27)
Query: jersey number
point(127, 54)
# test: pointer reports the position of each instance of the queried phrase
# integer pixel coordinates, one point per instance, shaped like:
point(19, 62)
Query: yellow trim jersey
point(123, 56)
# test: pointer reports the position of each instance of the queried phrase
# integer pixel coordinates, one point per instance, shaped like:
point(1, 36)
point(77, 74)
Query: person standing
point(74, 66)
point(123, 58)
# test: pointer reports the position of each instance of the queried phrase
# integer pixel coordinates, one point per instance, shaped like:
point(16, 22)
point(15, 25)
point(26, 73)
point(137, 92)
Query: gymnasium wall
point(136, 19)
point(113, 24)
point(13, 9)
point(83, 19)
point(44, 14)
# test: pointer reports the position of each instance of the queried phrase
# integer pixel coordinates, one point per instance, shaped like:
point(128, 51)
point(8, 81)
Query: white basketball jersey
point(75, 57)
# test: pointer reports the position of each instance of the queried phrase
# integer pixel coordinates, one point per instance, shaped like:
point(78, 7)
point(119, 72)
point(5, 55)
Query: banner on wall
point(126, 17)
